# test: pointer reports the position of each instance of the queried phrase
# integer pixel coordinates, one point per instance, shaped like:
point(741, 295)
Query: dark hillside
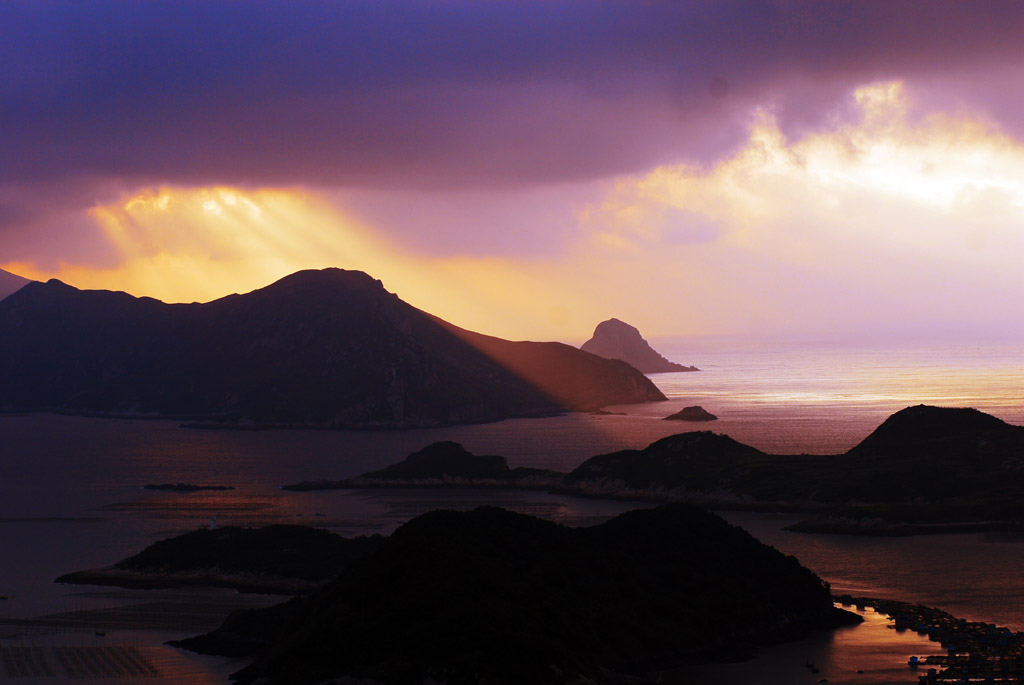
point(487, 595)
point(938, 431)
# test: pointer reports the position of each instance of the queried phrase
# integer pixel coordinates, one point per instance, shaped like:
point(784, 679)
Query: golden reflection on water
point(989, 376)
point(90, 657)
point(117, 636)
point(192, 506)
point(869, 653)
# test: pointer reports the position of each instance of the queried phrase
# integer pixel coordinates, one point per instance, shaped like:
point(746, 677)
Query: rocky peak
point(614, 339)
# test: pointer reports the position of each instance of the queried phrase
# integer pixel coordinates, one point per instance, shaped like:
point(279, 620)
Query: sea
point(72, 497)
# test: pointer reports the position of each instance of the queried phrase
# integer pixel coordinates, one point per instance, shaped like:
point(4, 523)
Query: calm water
point(823, 399)
point(71, 493)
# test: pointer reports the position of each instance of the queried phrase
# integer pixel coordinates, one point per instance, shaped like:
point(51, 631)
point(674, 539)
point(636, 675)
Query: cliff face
point(321, 348)
point(614, 339)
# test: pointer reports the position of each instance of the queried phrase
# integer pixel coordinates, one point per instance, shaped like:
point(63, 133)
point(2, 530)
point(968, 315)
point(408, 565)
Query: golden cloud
point(196, 244)
point(893, 214)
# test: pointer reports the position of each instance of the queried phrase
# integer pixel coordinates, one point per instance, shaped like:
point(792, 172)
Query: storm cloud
point(445, 94)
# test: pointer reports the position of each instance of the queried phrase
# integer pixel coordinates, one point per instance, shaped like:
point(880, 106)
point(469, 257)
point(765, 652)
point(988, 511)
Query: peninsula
point(277, 559)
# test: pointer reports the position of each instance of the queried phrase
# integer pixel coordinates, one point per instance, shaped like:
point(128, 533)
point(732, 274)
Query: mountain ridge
point(328, 348)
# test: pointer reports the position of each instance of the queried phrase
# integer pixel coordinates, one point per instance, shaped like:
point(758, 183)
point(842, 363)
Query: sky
point(847, 170)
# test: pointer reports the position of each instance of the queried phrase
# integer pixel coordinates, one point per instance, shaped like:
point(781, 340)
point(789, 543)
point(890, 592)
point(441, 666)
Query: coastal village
point(975, 652)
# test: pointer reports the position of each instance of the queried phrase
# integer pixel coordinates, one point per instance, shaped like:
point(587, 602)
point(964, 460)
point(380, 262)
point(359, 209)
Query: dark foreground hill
point(492, 596)
point(614, 339)
point(317, 348)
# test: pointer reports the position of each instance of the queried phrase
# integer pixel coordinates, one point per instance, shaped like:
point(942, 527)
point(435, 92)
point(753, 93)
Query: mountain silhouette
point(318, 348)
point(11, 283)
point(614, 339)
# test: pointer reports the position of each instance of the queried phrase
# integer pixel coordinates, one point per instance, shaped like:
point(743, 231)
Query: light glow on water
point(825, 398)
point(871, 653)
point(971, 575)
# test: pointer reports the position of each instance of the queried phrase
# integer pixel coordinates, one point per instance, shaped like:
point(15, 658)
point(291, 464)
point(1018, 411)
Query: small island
point(443, 464)
point(694, 413)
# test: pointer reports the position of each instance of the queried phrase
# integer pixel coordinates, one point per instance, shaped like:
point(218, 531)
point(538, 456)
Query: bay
point(72, 497)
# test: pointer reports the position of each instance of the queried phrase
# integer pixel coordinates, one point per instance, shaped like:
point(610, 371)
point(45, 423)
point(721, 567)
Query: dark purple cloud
point(43, 223)
point(447, 94)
